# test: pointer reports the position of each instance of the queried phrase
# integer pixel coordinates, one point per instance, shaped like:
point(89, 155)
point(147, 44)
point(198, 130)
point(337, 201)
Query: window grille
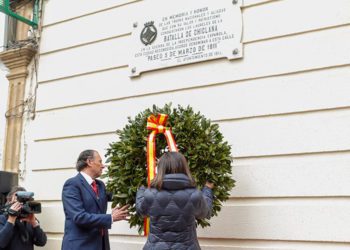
point(5, 7)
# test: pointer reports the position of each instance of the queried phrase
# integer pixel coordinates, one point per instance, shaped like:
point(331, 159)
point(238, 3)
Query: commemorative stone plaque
point(173, 33)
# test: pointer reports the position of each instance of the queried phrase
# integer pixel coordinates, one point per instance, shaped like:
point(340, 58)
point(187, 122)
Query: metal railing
point(5, 7)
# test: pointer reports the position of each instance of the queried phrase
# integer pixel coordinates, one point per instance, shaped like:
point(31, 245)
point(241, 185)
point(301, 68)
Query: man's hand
point(120, 213)
point(15, 207)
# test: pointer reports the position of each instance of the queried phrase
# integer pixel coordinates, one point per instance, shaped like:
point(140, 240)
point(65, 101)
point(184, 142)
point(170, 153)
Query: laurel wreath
point(197, 138)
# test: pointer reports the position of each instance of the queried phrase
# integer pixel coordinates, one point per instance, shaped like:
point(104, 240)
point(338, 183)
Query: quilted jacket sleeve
point(205, 205)
point(141, 206)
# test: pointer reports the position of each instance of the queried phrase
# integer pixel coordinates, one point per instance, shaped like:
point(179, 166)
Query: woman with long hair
point(173, 203)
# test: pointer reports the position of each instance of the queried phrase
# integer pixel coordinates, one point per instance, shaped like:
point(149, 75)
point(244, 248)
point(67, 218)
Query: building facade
point(284, 107)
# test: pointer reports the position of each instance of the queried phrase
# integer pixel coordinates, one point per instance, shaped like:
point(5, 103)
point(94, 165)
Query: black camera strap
point(3, 209)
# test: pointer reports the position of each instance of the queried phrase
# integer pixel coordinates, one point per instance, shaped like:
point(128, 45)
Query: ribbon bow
point(157, 126)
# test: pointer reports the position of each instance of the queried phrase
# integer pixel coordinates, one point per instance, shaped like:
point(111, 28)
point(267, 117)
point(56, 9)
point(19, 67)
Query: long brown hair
point(171, 163)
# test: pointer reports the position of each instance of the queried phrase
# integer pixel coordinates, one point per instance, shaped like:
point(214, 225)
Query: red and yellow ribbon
point(157, 126)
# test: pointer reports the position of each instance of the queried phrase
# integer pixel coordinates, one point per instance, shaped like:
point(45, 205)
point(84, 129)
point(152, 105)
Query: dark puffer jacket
point(173, 211)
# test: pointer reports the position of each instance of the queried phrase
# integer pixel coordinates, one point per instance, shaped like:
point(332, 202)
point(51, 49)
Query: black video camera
point(29, 206)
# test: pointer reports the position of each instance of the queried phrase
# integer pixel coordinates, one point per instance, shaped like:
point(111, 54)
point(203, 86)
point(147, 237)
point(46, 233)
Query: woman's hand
point(209, 185)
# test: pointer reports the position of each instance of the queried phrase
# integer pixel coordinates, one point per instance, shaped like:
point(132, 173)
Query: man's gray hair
point(83, 157)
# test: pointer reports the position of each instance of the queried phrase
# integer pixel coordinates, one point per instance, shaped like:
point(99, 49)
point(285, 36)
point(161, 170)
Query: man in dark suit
point(85, 204)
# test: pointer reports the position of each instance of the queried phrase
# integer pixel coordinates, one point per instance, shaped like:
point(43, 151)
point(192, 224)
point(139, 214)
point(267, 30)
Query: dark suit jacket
point(85, 215)
point(10, 238)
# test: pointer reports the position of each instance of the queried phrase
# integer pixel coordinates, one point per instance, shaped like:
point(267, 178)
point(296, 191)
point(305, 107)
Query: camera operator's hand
point(31, 219)
point(15, 207)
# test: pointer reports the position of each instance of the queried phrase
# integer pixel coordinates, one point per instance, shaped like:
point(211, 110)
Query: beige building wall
point(3, 92)
point(284, 108)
